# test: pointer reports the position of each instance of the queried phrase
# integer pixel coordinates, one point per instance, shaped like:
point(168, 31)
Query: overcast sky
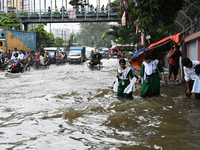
point(68, 25)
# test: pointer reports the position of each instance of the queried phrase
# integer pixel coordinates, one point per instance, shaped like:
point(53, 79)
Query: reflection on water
point(73, 107)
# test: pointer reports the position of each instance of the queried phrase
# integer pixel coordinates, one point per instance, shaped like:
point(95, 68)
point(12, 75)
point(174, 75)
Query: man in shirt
point(21, 56)
point(190, 76)
point(16, 60)
point(15, 51)
point(174, 62)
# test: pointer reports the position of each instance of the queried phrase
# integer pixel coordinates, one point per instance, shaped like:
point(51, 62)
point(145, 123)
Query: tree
point(10, 22)
point(78, 3)
point(105, 40)
point(91, 33)
point(43, 38)
point(156, 17)
point(58, 42)
point(153, 11)
point(116, 2)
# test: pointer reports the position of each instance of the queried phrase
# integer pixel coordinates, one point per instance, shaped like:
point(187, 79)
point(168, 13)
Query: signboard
point(72, 15)
point(142, 38)
point(124, 19)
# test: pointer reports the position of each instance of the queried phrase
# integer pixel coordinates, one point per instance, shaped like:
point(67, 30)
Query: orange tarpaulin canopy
point(158, 50)
point(176, 38)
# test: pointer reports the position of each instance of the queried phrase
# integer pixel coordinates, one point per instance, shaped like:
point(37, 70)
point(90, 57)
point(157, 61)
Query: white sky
point(67, 25)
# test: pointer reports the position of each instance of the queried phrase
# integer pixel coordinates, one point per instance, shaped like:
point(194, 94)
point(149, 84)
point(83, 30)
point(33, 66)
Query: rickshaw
point(95, 60)
point(46, 60)
point(61, 58)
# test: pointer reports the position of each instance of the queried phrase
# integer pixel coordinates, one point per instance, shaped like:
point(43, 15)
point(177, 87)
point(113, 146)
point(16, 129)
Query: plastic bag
point(196, 85)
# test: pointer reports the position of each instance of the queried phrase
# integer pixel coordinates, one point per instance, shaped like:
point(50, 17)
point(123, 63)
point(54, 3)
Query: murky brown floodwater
point(72, 107)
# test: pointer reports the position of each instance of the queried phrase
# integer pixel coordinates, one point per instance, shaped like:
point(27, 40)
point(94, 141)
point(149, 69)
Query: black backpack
point(197, 69)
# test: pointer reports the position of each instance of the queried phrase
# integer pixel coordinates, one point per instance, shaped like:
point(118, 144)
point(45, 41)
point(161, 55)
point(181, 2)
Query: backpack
point(197, 69)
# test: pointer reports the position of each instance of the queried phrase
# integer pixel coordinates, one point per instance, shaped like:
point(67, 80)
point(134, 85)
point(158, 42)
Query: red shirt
point(174, 60)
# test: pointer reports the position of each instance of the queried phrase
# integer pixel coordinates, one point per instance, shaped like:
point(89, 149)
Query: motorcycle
point(13, 68)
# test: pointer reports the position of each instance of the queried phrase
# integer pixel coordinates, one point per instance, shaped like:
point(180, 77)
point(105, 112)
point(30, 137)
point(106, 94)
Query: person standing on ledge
point(174, 62)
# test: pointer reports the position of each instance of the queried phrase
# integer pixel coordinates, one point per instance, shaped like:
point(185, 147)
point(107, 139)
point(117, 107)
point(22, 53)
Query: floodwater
point(72, 107)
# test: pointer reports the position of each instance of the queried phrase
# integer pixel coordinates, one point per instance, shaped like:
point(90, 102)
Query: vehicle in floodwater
point(95, 60)
point(76, 55)
point(52, 51)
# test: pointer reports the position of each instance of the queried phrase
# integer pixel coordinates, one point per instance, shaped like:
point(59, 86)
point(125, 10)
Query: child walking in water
point(149, 73)
point(125, 82)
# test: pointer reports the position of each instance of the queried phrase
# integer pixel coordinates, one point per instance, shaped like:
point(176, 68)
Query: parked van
point(52, 51)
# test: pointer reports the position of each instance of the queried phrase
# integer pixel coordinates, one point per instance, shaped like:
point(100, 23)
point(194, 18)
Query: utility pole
point(34, 5)
point(44, 5)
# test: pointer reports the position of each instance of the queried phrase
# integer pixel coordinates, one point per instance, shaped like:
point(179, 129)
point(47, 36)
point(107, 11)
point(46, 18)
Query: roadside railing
point(62, 13)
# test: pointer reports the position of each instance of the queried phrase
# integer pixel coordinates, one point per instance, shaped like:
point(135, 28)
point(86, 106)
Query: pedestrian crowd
point(31, 57)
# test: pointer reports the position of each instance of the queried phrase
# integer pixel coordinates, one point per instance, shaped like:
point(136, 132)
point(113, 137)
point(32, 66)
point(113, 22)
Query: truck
point(76, 55)
point(10, 39)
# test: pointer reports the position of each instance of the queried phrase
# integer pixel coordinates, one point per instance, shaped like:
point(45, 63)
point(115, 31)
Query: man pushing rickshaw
point(95, 59)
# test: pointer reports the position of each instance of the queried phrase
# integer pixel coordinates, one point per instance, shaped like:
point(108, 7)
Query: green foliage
point(34, 13)
point(2, 14)
point(11, 15)
point(116, 2)
point(154, 11)
point(66, 13)
point(156, 17)
point(74, 39)
point(46, 13)
point(124, 34)
point(79, 43)
point(90, 33)
point(10, 21)
point(43, 38)
point(58, 42)
point(91, 12)
point(79, 12)
point(23, 13)
point(56, 13)
point(105, 40)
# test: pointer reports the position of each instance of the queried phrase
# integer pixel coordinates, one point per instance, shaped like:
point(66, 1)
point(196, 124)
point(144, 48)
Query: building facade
point(63, 34)
point(11, 5)
point(192, 46)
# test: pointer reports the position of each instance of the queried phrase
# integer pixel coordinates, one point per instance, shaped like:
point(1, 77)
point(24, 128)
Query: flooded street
point(73, 107)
